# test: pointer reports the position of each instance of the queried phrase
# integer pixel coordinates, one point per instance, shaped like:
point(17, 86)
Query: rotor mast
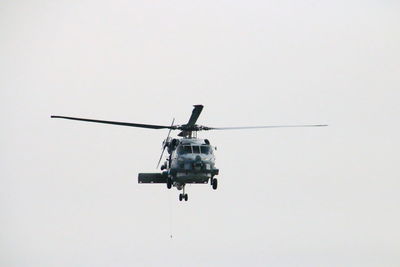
point(191, 126)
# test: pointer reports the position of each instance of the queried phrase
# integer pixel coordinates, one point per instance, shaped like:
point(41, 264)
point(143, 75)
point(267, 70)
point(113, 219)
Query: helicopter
point(191, 160)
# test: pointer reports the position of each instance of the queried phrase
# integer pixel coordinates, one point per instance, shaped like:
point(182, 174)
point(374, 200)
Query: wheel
point(180, 197)
point(214, 183)
point(186, 197)
point(169, 183)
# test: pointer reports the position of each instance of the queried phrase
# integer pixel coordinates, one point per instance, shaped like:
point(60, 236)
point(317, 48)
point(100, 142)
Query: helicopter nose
point(198, 163)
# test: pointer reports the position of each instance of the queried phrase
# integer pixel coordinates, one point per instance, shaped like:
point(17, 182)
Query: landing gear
point(183, 195)
point(214, 183)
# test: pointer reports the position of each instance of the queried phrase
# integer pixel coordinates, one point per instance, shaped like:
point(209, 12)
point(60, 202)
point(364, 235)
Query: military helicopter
point(191, 160)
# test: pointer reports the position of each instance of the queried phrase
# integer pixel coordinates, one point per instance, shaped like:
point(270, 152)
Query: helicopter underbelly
point(190, 177)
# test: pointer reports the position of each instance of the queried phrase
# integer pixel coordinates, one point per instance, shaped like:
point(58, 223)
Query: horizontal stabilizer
point(152, 178)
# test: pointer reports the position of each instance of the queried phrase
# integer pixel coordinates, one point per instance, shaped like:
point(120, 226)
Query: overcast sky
point(286, 197)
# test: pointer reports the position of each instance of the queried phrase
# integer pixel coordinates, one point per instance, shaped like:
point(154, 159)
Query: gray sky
point(287, 197)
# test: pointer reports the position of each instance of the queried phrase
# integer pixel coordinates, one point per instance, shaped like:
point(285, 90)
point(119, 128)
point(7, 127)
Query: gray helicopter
point(191, 160)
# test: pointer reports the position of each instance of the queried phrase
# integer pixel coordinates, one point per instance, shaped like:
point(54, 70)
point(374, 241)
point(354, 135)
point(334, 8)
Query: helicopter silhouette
point(191, 160)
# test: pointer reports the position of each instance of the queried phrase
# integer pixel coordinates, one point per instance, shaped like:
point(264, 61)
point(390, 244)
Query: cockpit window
point(196, 149)
point(205, 149)
point(184, 150)
point(187, 149)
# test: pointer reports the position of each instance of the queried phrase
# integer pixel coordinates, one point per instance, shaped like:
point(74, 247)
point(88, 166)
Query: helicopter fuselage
point(191, 160)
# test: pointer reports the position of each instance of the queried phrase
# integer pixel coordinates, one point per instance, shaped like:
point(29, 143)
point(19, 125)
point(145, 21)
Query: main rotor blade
point(140, 125)
point(162, 153)
point(192, 121)
point(195, 115)
point(166, 140)
point(259, 127)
